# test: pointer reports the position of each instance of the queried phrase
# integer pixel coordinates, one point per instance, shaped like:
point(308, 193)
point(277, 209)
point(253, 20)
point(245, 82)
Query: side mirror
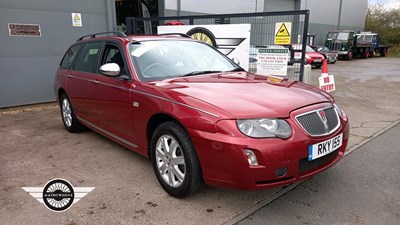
point(110, 69)
point(236, 61)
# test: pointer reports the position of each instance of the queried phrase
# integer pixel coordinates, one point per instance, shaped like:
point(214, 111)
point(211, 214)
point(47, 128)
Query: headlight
point(308, 57)
point(264, 128)
point(338, 110)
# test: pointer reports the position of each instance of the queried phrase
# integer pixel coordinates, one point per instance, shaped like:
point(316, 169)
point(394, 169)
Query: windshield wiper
point(199, 72)
point(237, 69)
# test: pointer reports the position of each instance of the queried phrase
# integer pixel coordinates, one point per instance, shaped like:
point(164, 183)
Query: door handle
point(70, 76)
point(95, 81)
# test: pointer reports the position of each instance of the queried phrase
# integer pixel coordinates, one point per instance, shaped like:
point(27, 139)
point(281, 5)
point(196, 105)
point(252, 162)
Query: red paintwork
point(311, 55)
point(217, 140)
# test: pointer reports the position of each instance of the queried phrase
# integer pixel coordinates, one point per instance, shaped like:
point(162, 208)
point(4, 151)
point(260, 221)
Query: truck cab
point(369, 41)
point(341, 41)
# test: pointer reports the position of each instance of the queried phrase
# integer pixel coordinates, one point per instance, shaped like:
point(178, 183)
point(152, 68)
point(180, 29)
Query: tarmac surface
point(363, 189)
point(35, 148)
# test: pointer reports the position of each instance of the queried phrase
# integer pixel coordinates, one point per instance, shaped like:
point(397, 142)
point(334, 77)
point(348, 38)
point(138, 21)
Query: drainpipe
point(179, 7)
point(111, 18)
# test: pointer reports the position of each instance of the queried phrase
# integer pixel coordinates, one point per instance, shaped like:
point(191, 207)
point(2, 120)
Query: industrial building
point(36, 33)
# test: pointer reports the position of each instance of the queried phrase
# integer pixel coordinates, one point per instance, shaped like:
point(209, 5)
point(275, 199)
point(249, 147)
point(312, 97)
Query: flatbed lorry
point(349, 44)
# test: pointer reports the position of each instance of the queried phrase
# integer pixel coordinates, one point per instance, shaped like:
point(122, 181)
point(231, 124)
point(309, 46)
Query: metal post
point(131, 25)
point(179, 7)
point(340, 14)
point(110, 15)
point(303, 50)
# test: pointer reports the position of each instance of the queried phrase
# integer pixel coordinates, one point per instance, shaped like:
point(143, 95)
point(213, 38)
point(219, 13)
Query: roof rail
point(177, 34)
point(116, 33)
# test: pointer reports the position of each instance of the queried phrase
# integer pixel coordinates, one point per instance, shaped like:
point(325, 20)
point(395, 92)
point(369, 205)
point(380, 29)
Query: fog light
point(251, 157)
point(281, 172)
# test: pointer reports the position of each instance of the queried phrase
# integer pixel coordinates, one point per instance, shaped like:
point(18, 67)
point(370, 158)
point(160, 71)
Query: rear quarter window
point(70, 57)
point(87, 59)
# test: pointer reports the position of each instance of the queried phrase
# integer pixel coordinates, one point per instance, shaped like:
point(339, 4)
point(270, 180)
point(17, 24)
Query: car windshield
point(308, 48)
point(323, 49)
point(341, 36)
point(364, 38)
point(161, 59)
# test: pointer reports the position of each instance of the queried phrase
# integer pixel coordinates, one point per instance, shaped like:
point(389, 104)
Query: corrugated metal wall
point(28, 64)
point(324, 16)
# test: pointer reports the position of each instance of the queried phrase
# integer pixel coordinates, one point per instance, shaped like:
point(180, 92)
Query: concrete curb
point(283, 191)
point(356, 146)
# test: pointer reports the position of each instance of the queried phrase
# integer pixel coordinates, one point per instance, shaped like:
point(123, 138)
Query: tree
point(384, 21)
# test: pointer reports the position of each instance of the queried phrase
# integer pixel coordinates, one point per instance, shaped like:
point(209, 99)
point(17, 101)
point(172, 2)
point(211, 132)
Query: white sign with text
point(272, 61)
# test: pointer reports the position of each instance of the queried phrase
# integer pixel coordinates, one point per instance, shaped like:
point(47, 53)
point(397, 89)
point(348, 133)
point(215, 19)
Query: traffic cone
point(324, 72)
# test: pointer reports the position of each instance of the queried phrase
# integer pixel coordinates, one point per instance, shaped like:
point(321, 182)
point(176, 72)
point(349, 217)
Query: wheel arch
point(153, 123)
point(60, 92)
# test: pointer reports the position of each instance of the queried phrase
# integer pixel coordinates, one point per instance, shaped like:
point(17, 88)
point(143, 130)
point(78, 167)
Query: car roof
point(132, 38)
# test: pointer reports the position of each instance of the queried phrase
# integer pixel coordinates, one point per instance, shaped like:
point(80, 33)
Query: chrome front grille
point(319, 122)
point(334, 46)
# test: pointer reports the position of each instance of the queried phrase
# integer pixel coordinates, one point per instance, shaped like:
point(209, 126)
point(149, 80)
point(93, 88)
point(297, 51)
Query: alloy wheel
point(66, 112)
point(170, 161)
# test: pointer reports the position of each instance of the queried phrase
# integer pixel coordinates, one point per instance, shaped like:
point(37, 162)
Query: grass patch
point(394, 51)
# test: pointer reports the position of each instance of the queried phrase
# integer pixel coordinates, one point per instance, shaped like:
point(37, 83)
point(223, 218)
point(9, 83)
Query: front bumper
point(331, 59)
point(342, 53)
point(224, 163)
point(315, 62)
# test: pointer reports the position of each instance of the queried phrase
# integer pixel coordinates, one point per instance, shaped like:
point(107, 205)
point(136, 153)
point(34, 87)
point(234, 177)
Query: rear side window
point(87, 60)
point(70, 57)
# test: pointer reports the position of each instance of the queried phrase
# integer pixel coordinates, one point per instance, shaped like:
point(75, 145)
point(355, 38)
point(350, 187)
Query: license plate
point(317, 60)
point(324, 148)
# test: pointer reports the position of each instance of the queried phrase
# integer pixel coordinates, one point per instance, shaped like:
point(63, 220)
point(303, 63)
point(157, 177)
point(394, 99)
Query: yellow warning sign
point(282, 33)
point(76, 17)
point(76, 20)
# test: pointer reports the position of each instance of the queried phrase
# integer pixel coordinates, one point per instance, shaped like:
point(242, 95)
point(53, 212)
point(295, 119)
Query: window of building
point(135, 8)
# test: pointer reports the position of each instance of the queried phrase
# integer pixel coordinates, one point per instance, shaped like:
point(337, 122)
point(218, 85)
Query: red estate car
point(313, 58)
point(198, 116)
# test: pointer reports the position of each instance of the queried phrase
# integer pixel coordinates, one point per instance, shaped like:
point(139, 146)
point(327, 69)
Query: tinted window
point(88, 57)
point(70, 57)
point(112, 54)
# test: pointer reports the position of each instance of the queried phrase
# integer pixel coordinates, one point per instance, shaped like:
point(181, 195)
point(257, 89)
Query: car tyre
point(71, 123)
point(366, 53)
point(175, 161)
point(349, 55)
point(372, 54)
point(384, 52)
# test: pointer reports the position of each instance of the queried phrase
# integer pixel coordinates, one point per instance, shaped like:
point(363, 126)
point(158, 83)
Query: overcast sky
point(387, 3)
